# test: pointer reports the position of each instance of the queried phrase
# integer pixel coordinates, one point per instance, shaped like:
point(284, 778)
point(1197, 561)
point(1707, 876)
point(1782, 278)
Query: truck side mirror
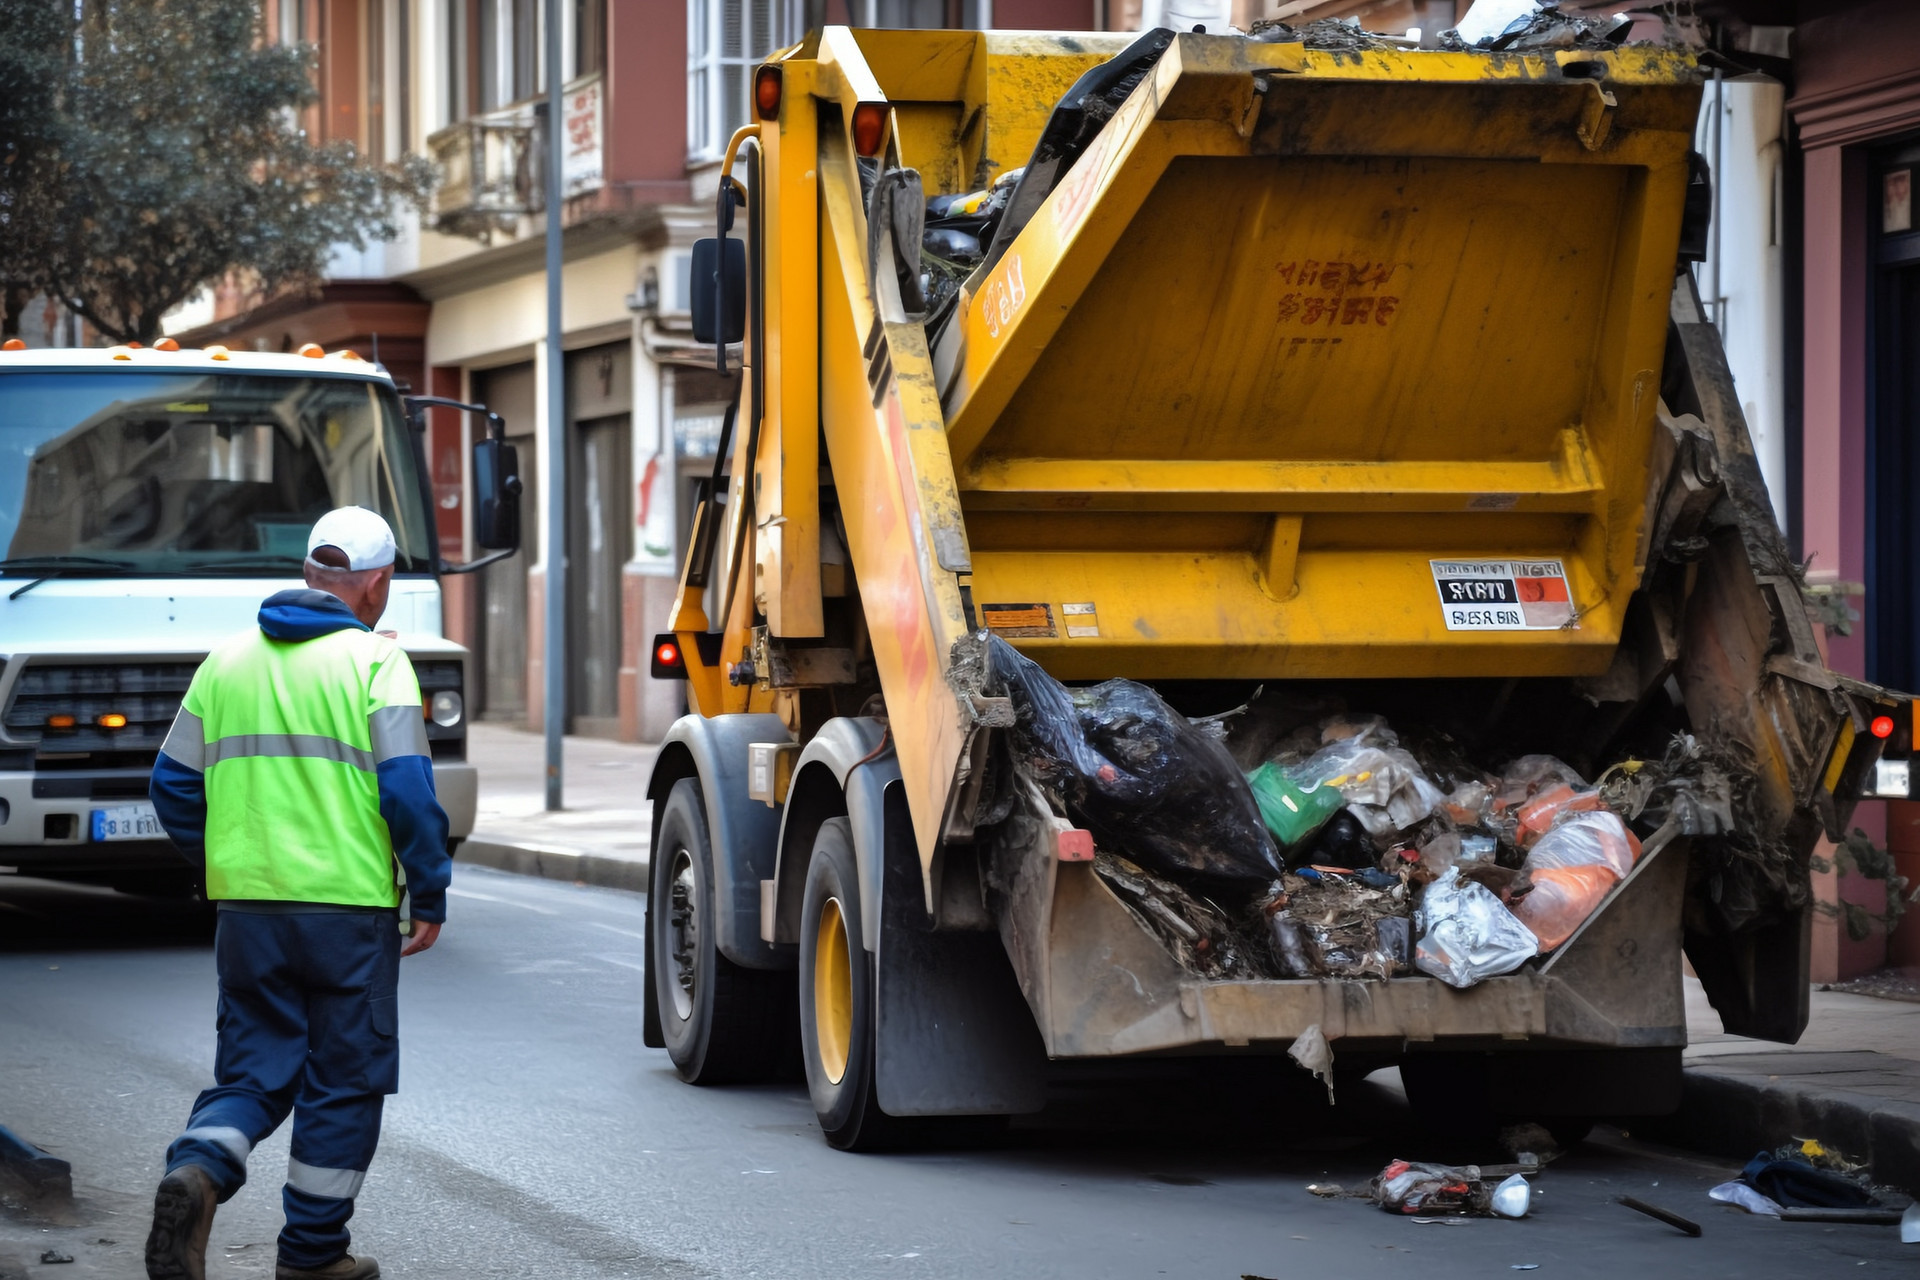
point(496, 482)
point(496, 495)
point(719, 290)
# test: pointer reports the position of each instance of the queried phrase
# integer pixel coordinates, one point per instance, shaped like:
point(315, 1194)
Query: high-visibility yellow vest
point(289, 735)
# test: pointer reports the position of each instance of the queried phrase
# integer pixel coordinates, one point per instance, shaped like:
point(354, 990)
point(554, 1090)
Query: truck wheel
point(721, 1022)
point(837, 999)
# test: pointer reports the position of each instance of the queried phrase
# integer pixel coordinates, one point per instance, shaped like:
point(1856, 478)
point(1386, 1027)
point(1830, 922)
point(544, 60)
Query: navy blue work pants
point(308, 1024)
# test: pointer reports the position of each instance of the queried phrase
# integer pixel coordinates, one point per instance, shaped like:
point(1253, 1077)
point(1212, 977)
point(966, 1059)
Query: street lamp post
point(555, 668)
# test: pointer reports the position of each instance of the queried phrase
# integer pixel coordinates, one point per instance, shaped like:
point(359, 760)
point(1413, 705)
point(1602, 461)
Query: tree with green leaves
point(157, 149)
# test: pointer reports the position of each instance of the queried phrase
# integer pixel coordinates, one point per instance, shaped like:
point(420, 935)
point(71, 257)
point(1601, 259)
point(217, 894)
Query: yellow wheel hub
point(833, 991)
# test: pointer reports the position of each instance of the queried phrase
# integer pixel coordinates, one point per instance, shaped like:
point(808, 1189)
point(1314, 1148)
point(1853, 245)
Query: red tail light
point(767, 83)
point(669, 663)
point(869, 128)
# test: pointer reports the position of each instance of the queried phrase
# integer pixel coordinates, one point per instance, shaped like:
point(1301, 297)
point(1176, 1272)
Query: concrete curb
point(1862, 1104)
point(570, 865)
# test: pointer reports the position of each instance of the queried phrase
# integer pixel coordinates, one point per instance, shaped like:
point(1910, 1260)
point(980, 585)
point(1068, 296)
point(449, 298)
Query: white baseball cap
point(363, 537)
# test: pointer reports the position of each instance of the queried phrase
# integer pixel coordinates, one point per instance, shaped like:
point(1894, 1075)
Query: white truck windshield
point(185, 473)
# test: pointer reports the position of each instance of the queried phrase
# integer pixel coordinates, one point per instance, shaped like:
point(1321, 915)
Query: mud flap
point(954, 1036)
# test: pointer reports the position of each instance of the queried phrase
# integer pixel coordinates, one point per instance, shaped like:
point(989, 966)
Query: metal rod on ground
point(554, 710)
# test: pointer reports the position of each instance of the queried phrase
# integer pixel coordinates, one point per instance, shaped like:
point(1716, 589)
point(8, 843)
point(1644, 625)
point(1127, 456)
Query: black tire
point(722, 1023)
point(837, 1004)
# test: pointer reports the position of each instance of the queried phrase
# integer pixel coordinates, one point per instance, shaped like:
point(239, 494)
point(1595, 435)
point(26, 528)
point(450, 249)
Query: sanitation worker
point(298, 771)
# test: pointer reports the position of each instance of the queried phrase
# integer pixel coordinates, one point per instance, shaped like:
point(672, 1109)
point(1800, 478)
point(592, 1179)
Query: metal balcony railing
point(493, 166)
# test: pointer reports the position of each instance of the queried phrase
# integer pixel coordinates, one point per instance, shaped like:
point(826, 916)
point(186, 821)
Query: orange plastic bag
point(1537, 814)
point(1586, 839)
point(1562, 898)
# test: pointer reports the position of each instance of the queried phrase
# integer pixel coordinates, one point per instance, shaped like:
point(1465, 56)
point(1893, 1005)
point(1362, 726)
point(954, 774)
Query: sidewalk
point(1853, 1081)
point(599, 838)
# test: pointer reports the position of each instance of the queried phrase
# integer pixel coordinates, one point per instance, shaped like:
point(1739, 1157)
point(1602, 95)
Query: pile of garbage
point(1346, 852)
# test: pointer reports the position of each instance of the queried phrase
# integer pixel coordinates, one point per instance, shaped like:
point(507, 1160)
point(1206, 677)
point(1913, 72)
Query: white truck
point(149, 500)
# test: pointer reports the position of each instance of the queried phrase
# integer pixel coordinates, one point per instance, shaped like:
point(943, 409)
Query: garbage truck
point(150, 498)
point(1226, 365)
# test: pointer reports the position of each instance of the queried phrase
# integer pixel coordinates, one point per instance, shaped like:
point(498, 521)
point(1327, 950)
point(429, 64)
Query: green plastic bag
point(1292, 813)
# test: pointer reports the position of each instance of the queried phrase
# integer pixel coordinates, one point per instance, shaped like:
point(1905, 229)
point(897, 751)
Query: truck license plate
point(127, 822)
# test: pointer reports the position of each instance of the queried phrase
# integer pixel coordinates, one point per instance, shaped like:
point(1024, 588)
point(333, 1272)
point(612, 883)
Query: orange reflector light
point(312, 350)
point(134, 345)
point(13, 344)
point(60, 721)
point(112, 720)
point(348, 353)
point(668, 655)
point(166, 344)
point(766, 91)
point(1882, 726)
point(216, 352)
point(869, 127)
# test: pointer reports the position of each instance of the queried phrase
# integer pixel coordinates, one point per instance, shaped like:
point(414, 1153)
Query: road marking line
point(634, 965)
point(625, 933)
point(505, 902)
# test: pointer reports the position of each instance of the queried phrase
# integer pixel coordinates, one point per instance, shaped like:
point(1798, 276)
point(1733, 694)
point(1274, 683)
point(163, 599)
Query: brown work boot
point(182, 1219)
point(345, 1267)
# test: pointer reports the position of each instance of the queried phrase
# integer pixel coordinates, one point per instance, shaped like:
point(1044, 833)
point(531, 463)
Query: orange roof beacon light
point(112, 720)
point(767, 83)
point(166, 344)
point(312, 350)
point(13, 344)
point(215, 351)
point(869, 128)
point(120, 353)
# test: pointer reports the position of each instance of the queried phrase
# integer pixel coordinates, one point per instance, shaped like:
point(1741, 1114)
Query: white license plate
point(127, 822)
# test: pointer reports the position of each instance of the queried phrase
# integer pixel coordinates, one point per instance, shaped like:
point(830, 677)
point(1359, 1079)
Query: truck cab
point(149, 500)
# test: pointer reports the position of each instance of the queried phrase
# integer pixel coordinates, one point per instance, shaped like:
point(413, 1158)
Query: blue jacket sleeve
point(418, 827)
point(179, 796)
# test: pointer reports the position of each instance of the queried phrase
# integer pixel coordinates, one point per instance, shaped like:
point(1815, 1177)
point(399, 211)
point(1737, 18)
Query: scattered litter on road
point(1410, 1188)
point(1673, 1220)
point(1327, 1190)
point(1524, 1266)
point(1513, 1197)
point(1739, 1193)
point(1791, 1179)
point(52, 1256)
point(1910, 1224)
point(1442, 1222)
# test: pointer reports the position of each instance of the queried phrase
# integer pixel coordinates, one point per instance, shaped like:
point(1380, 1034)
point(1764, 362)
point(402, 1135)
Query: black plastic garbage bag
point(1145, 780)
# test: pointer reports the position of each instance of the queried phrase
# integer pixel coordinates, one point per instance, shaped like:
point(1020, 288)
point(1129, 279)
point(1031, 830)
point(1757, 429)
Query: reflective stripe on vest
point(290, 736)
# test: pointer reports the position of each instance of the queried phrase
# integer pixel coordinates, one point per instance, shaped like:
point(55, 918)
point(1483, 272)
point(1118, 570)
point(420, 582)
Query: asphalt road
point(536, 1137)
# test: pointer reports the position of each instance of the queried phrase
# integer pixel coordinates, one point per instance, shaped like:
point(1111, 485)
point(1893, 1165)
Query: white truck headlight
point(446, 707)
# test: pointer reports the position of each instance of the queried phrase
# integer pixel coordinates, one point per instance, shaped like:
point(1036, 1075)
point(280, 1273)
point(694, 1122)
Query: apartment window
point(589, 36)
point(290, 21)
point(725, 39)
point(459, 85)
point(509, 32)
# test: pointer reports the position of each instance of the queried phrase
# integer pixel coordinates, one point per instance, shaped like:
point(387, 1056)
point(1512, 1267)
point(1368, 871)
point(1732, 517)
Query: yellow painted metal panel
point(890, 466)
point(787, 472)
